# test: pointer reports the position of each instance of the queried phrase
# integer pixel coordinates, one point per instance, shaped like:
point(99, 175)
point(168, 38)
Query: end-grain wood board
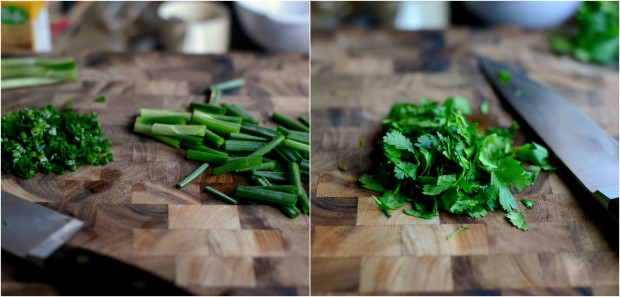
point(130, 207)
point(357, 75)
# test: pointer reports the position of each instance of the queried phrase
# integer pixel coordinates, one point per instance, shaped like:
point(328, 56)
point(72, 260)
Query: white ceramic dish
point(278, 26)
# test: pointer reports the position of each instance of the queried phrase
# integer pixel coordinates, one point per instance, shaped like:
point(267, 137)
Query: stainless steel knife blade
point(32, 230)
point(579, 143)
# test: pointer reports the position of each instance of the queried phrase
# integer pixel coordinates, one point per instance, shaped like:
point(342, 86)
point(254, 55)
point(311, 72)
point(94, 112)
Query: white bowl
point(531, 15)
point(278, 26)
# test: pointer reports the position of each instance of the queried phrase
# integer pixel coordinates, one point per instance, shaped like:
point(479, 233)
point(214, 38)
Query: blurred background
point(424, 15)
point(187, 27)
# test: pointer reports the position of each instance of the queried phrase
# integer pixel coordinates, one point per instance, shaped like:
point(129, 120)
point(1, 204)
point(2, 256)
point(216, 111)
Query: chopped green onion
point(268, 147)
point(207, 108)
point(258, 131)
point(242, 145)
point(269, 196)
point(264, 166)
point(241, 136)
point(206, 157)
point(296, 179)
point(229, 84)
point(213, 138)
point(282, 188)
point(304, 120)
point(288, 123)
point(220, 195)
point(237, 164)
point(238, 110)
point(304, 148)
point(272, 175)
point(214, 96)
point(215, 125)
point(261, 180)
point(153, 113)
point(175, 130)
point(193, 175)
point(170, 120)
point(288, 154)
point(202, 148)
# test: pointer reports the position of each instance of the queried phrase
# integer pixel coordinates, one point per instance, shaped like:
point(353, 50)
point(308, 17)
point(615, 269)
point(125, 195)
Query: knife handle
point(89, 273)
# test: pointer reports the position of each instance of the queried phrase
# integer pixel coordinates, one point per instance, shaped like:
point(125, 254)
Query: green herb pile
point(597, 37)
point(436, 159)
point(44, 140)
point(228, 137)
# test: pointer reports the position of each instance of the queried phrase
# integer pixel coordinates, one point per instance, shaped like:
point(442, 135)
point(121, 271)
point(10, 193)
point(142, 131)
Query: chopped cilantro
point(435, 159)
point(100, 99)
point(457, 231)
point(535, 154)
point(485, 107)
point(504, 76)
point(518, 220)
point(528, 203)
point(596, 39)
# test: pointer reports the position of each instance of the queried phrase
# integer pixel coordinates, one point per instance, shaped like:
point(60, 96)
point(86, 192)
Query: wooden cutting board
point(357, 75)
point(130, 207)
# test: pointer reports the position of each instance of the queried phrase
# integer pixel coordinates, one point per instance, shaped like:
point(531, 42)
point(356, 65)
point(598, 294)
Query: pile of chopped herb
point(596, 40)
point(45, 140)
point(436, 159)
point(229, 138)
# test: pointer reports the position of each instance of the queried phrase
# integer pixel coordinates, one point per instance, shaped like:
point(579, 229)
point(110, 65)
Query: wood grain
point(357, 74)
point(130, 207)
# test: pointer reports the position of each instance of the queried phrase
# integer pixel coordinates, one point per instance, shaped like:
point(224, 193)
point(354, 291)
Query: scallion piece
point(153, 113)
point(264, 166)
point(175, 143)
point(296, 179)
point(288, 123)
point(175, 130)
point(193, 175)
point(272, 175)
point(268, 147)
point(281, 188)
point(215, 125)
point(242, 145)
point(304, 120)
point(229, 84)
point(220, 195)
point(261, 180)
point(214, 96)
point(202, 148)
point(304, 164)
point(238, 110)
point(213, 138)
point(170, 120)
point(258, 131)
point(206, 157)
point(242, 136)
point(239, 163)
point(302, 147)
point(269, 196)
point(288, 154)
point(207, 108)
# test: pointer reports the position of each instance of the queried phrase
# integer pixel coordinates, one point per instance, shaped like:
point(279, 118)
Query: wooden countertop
point(130, 207)
point(357, 75)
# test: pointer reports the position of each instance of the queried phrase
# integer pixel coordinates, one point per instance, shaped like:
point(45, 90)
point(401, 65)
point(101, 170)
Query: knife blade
point(39, 235)
point(584, 148)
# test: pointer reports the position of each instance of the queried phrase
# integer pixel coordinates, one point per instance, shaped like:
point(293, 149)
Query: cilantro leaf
point(504, 76)
point(405, 169)
point(535, 154)
point(518, 220)
point(371, 182)
point(421, 210)
point(444, 182)
point(528, 203)
point(398, 140)
point(390, 200)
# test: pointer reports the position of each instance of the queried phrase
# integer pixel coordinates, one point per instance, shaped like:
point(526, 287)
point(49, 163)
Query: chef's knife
point(38, 234)
point(588, 152)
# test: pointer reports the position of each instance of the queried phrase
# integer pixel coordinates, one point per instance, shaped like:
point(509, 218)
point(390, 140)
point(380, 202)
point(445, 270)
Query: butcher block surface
point(130, 207)
point(571, 248)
